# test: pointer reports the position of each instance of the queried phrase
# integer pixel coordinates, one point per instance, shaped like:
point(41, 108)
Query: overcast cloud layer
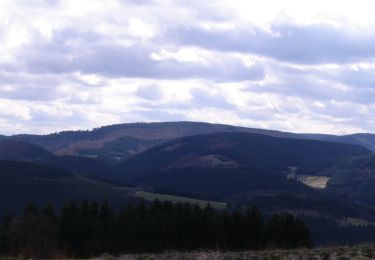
point(292, 66)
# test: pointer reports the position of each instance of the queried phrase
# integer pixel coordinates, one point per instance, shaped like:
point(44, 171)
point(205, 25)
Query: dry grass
point(333, 253)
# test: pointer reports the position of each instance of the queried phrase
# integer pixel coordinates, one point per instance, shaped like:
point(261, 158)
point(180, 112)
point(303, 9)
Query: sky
point(298, 66)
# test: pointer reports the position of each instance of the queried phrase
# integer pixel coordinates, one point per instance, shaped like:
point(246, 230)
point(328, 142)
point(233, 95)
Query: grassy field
point(317, 182)
point(339, 253)
point(164, 197)
point(83, 185)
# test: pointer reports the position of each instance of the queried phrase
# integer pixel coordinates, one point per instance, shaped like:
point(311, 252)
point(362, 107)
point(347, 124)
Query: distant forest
point(89, 229)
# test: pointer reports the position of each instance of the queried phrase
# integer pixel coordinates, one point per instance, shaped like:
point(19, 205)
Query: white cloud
point(288, 65)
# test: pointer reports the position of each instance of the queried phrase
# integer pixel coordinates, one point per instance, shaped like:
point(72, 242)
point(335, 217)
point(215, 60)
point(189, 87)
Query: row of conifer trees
point(88, 229)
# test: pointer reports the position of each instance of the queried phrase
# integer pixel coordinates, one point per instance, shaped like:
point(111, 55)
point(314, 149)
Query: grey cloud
point(150, 92)
point(161, 115)
point(30, 92)
point(313, 89)
point(14, 78)
point(138, 2)
point(58, 54)
point(354, 76)
point(324, 85)
point(46, 119)
point(344, 115)
point(297, 86)
point(29, 87)
point(311, 44)
point(135, 62)
point(259, 114)
point(360, 78)
point(38, 87)
point(53, 2)
point(202, 98)
point(95, 56)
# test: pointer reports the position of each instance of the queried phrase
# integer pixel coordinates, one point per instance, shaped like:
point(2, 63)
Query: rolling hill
point(365, 140)
point(20, 150)
point(225, 164)
point(355, 178)
point(117, 142)
point(123, 140)
point(23, 151)
point(81, 166)
point(22, 183)
point(231, 169)
point(323, 178)
point(244, 169)
point(232, 165)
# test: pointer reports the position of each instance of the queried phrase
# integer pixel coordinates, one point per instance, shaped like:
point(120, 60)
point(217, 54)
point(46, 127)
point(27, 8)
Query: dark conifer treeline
point(90, 229)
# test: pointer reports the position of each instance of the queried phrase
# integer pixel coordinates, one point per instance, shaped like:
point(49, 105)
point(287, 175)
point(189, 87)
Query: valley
point(318, 177)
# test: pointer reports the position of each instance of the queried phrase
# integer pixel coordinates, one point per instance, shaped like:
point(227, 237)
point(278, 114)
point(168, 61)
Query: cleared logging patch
point(317, 182)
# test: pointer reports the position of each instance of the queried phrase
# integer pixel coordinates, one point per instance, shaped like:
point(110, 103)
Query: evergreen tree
point(5, 225)
point(69, 228)
point(286, 231)
point(254, 228)
point(35, 234)
point(91, 229)
point(106, 227)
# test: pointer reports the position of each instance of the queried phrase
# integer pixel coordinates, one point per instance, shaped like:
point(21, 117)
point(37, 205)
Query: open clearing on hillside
point(313, 181)
point(165, 197)
point(356, 253)
point(317, 182)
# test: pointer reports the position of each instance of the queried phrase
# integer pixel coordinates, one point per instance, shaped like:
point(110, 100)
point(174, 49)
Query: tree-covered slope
point(223, 164)
point(355, 178)
point(22, 183)
point(123, 140)
point(365, 140)
point(23, 151)
point(19, 150)
point(117, 142)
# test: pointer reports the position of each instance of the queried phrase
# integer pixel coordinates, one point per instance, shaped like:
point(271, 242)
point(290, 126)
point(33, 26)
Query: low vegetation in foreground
point(91, 229)
point(332, 253)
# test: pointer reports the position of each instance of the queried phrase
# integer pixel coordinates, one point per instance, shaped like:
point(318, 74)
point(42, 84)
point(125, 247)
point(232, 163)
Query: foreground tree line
point(90, 229)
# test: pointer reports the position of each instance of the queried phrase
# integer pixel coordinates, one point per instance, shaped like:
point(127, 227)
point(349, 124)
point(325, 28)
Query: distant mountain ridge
point(364, 139)
point(118, 142)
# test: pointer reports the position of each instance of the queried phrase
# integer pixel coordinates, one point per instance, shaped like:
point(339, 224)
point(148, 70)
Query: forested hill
point(22, 183)
point(363, 139)
point(20, 150)
point(328, 182)
point(236, 152)
point(121, 141)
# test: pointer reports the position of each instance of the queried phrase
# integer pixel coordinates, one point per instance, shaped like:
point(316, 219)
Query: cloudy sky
point(301, 66)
